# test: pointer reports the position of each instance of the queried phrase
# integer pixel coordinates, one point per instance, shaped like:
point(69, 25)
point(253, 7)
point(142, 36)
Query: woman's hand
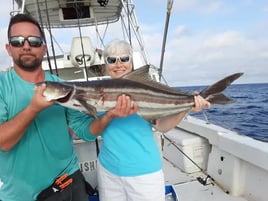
point(124, 107)
point(199, 103)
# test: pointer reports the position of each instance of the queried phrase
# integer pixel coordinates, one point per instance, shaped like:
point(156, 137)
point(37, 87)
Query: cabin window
point(76, 13)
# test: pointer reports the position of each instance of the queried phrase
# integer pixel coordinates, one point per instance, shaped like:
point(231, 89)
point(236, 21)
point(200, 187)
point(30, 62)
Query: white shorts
point(148, 187)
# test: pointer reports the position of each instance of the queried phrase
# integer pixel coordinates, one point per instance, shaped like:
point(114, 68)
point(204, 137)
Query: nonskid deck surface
point(189, 189)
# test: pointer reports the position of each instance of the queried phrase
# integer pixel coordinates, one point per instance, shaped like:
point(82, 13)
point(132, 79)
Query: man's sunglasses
point(122, 59)
point(18, 41)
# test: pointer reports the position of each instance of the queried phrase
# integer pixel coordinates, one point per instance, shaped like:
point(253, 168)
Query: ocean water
point(248, 115)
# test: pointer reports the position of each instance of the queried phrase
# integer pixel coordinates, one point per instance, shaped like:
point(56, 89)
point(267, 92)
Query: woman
point(130, 165)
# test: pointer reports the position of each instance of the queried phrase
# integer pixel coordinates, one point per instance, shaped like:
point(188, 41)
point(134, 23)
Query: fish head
point(58, 91)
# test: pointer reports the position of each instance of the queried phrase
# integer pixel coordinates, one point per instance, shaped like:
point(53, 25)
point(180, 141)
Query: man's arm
point(12, 130)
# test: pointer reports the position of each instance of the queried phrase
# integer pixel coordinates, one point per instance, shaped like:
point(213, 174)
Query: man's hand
point(39, 102)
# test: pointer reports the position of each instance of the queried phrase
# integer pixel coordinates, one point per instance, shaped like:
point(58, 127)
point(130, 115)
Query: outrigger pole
point(169, 7)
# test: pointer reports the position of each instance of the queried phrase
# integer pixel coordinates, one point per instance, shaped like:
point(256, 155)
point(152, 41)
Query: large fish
point(155, 100)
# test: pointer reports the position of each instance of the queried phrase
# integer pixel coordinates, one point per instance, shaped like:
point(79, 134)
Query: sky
point(207, 39)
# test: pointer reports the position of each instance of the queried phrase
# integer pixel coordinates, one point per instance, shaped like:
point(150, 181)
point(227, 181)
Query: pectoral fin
point(90, 108)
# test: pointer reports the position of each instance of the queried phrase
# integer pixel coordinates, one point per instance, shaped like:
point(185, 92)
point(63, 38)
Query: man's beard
point(28, 66)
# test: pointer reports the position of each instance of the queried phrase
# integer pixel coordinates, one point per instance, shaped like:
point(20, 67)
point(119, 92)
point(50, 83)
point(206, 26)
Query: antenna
point(169, 7)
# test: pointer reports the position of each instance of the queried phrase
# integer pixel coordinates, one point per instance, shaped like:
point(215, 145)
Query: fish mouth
point(65, 98)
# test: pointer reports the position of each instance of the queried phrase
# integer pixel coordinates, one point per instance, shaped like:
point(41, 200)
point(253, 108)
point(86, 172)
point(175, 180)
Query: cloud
point(210, 39)
point(192, 58)
point(198, 6)
point(206, 40)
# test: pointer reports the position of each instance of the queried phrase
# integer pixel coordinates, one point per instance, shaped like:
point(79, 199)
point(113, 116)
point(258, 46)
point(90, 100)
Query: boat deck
point(188, 188)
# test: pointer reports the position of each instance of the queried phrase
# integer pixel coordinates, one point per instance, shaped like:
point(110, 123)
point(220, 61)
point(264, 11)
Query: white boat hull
point(237, 164)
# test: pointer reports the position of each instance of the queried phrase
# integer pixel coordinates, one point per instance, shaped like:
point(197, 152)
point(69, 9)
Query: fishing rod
point(169, 7)
point(201, 180)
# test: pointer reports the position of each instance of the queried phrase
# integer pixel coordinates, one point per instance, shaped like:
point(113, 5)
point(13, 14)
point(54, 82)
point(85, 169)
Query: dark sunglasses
point(122, 59)
point(18, 41)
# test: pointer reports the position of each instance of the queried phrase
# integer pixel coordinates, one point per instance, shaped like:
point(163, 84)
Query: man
point(37, 159)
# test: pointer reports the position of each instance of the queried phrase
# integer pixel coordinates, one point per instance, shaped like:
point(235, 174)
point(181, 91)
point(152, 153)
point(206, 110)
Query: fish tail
point(214, 93)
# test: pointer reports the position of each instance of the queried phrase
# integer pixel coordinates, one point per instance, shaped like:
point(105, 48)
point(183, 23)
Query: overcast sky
point(207, 39)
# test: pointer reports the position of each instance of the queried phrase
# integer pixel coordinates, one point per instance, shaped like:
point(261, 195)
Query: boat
point(201, 161)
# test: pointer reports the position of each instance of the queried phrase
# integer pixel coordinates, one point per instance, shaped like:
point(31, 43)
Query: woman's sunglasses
point(18, 41)
point(122, 59)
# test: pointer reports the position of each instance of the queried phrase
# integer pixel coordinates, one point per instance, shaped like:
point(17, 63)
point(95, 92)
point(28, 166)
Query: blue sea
point(248, 115)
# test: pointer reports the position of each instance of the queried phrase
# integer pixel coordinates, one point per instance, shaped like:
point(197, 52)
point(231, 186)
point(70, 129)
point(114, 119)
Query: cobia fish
point(155, 100)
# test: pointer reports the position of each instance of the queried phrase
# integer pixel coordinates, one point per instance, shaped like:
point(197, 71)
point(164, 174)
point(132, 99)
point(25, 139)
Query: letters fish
point(155, 100)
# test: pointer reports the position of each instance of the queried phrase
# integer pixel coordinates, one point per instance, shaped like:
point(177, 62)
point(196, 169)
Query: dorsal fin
point(141, 73)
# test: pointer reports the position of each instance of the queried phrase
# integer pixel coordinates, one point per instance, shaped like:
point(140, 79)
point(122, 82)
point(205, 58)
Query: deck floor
point(189, 189)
